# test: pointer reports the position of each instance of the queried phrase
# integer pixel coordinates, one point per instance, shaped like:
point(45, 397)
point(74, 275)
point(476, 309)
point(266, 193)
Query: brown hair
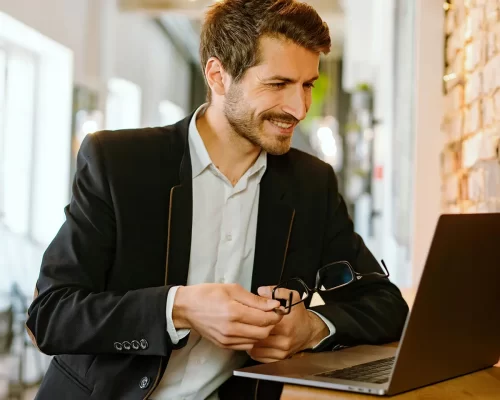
point(232, 30)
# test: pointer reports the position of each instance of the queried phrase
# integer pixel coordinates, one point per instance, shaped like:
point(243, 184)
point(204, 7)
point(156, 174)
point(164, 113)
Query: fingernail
point(273, 303)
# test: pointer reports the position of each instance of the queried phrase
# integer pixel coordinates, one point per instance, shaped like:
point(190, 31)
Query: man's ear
point(217, 78)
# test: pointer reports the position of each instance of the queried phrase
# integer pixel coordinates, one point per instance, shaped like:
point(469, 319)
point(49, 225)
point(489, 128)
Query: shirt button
point(144, 383)
point(222, 280)
point(229, 237)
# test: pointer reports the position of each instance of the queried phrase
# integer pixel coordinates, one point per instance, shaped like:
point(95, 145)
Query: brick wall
point(470, 161)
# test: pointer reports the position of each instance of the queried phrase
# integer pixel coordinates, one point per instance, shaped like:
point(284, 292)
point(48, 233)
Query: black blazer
point(100, 299)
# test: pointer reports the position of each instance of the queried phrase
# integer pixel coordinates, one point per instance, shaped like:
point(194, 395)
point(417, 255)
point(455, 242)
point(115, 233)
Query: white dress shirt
point(222, 251)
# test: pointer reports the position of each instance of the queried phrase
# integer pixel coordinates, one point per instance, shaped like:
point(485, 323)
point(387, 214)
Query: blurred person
point(158, 284)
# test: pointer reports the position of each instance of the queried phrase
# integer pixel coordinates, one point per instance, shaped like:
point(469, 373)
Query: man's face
point(273, 97)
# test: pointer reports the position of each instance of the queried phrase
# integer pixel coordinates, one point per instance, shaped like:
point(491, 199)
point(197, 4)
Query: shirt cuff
point(176, 335)
point(330, 326)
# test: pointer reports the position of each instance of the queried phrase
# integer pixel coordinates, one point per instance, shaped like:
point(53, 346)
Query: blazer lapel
point(274, 225)
point(180, 217)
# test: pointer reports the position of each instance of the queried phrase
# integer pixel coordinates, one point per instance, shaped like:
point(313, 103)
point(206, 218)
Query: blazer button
point(118, 346)
point(135, 345)
point(126, 345)
point(144, 383)
point(144, 344)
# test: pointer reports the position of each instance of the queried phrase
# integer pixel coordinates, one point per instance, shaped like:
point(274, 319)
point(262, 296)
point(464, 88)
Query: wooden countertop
point(483, 385)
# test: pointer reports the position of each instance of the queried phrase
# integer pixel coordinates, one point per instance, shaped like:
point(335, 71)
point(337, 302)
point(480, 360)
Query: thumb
point(266, 291)
point(252, 300)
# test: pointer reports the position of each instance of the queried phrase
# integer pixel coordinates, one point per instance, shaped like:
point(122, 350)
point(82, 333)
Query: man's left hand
point(297, 331)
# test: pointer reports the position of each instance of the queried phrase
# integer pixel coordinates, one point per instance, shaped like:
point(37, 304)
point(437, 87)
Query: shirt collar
point(259, 167)
point(200, 159)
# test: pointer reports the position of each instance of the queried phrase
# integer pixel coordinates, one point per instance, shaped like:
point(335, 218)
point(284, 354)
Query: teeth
point(282, 124)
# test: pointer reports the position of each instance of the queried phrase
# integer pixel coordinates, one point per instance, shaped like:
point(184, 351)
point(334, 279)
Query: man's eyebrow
point(288, 80)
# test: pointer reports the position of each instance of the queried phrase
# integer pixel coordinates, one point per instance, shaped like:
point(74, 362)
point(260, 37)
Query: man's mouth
point(279, 124)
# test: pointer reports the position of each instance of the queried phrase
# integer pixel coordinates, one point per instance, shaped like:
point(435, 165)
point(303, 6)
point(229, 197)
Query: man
point(158, 284)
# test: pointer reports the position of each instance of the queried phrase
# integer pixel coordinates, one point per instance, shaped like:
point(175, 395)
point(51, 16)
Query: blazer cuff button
point(144, 383)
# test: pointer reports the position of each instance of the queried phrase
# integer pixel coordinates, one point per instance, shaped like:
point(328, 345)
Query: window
point(3, 77)
point(18, 69)
point(170, 113)
point(36, 77)
point(123, 105)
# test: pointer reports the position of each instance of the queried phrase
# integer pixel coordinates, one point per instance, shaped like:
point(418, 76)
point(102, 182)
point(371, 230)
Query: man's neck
point(232, 154)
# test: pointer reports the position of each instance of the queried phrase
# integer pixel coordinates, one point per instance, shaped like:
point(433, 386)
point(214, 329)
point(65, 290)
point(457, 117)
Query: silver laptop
point(452, 330)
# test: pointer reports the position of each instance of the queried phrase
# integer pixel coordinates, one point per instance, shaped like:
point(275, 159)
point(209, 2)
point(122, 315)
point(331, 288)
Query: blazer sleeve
point(370, 310)
point(72, 313)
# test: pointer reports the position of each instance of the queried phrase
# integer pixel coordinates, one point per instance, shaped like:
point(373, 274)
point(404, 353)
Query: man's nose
point(296, 105)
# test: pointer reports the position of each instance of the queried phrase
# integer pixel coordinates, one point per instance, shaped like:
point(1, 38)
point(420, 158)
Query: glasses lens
point(335, 275)
point(283, 291)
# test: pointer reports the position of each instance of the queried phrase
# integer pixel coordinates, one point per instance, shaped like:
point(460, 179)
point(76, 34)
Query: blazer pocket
point(66, 370)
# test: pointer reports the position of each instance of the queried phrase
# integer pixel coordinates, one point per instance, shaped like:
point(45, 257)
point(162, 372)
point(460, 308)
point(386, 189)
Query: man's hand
point(226, 314)
point(297, 331)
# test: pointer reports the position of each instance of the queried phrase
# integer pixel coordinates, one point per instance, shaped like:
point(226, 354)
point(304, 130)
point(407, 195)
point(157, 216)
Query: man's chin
point(277, 150)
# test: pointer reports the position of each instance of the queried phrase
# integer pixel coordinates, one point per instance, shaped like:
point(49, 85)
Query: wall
point(144, 56)
point(470, 160)
point(64, 21)
point(426, 191)
point(359, 47)
point(106, 42)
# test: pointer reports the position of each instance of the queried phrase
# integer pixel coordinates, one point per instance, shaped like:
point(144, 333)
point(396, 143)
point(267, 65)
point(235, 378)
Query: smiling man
point(158, 285)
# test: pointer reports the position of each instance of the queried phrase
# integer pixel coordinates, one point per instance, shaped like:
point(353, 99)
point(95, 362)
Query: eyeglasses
point(330, 277)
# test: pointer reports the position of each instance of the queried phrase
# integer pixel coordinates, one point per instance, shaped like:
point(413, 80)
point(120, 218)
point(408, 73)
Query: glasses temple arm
point(385, 268)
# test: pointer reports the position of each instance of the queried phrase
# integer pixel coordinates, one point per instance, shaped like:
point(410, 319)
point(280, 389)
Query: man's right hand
point(226, 314)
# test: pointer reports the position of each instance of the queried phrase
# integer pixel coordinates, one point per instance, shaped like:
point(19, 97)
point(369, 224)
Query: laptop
point(453, 328)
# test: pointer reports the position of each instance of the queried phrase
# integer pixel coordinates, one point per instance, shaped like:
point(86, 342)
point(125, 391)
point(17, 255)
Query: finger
point(239, 330)
point(252, 316)
point(266, 291)
point(264, 360)
point(222, 339)
point(279, 342)
point(233, 340)
point(251, 300)
point(266, 353)
point(239, 347)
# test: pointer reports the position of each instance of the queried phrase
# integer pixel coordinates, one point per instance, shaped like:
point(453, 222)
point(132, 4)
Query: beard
point(246, 125)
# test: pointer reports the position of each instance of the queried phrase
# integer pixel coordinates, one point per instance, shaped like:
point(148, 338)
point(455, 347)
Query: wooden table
point(484, 385)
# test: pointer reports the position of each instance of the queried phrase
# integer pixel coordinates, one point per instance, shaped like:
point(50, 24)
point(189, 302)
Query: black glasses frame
point(356, 276)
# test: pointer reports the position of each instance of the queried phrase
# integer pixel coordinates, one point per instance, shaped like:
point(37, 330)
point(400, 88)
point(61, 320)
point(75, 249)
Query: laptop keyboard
point(372, 372)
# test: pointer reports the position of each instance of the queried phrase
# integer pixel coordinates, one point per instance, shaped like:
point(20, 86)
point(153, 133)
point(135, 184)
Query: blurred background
point(406, 110)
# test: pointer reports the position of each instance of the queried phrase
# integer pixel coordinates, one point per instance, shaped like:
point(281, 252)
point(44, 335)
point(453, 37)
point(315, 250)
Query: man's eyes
point(280, 85)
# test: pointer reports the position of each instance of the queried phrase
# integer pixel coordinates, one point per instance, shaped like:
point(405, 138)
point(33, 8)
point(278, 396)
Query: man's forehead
point(288, 65)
